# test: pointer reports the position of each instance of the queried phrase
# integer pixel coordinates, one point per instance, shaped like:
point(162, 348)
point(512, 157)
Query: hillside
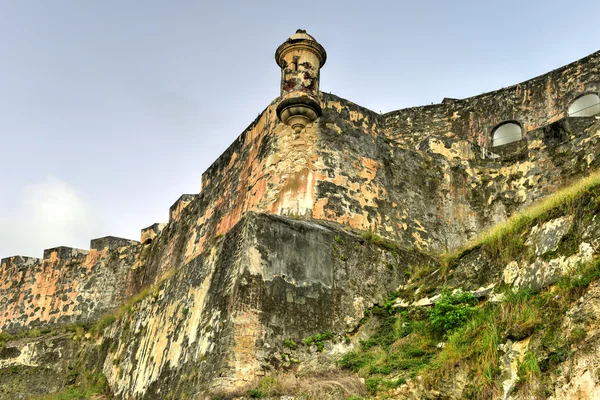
point(514, 315)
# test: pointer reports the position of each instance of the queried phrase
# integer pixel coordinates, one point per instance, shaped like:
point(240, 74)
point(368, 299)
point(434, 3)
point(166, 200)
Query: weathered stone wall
point(222, 319)
point(416, 176)
point(442, 193)
point(535, 103)
point(476, 193)
point(256, 173)
point(66, 286)
point(34, 367)
point(429, 188)
point(344, 169)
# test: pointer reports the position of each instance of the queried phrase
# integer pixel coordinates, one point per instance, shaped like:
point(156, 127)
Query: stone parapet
point(534, 103)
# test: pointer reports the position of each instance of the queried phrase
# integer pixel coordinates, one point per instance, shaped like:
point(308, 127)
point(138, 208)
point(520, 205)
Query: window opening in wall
point(147, 242)
point(506, 133)
point(585, 106)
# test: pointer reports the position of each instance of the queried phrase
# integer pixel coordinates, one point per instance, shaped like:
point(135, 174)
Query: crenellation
point(148, 234)
point(182, 202)
point(68, 285)
point(534, 103)
point(110, 242)
point(20, 261)
point(64, 253)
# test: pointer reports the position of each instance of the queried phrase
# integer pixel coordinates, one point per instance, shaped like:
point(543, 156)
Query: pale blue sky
point(109, 110)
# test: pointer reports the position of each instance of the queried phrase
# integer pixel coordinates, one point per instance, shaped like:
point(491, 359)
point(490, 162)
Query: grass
point(92, 384)
point(72, 393)
point(324, 385)
point(372, 237)
point(406, 343)
point(78, 329)
point(519, 315)
point(318, 339)
point(399, 344)
point(529, 374)
point(474, 345)
point(506, 240)
point(529, 368)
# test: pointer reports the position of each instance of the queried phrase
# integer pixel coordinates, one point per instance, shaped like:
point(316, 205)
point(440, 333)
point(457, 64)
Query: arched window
point(505, 133)
point(587, 105)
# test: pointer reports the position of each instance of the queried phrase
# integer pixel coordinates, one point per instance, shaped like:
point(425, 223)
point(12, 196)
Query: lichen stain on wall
point(61, 289)
point(166, 331)
point(296, 195)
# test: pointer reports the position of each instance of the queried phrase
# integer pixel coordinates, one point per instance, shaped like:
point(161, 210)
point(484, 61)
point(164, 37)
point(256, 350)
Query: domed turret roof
point(301, 38)
point(301, 34)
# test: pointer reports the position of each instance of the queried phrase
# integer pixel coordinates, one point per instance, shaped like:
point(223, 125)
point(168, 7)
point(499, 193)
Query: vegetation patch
point(90, 385)
point(451, 311)
point(318, 339)
point(506, 241)
point(374, 238)
point(290, 344)
point(77, 329)
point(325, 385)
point(459, 331)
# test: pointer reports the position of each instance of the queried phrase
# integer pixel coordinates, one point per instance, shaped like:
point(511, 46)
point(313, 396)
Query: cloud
point(49, 213)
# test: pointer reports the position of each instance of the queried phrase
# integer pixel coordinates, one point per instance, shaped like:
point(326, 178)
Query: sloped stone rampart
point(222, 319)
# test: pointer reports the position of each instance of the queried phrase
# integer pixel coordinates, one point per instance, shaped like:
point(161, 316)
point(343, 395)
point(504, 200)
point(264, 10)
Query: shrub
point(451, 311)
point(355, 360)
point(318, 339)
point(255, 394)
point(289, 343)
point(372, 384)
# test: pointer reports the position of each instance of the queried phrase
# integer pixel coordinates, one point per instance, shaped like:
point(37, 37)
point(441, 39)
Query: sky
point(111, 109)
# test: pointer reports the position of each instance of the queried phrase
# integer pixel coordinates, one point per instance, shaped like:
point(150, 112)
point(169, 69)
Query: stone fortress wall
point(416, 176)
point(67, 285)
point(533, 104)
